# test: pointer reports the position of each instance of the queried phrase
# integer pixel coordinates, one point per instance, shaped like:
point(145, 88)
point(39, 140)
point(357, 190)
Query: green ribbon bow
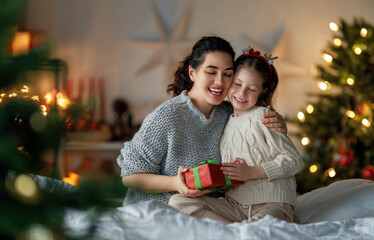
point(197, 177)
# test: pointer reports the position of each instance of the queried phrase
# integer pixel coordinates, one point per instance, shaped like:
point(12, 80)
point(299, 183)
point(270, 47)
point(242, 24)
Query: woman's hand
point(239, 170)
point(274, 120)
point(181, 187)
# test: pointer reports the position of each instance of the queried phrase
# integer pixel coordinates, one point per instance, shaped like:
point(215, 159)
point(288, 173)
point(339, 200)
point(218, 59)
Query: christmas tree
point(336, 127)
point(33, 206)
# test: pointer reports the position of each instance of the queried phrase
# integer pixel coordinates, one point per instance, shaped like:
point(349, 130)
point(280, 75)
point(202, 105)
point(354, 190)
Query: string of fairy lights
point(357, 48)
point(45, 100)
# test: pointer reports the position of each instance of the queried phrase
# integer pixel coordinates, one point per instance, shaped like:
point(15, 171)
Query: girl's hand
point(236, 170)
point(181, 187)
point(274, 120)
point(239, 170)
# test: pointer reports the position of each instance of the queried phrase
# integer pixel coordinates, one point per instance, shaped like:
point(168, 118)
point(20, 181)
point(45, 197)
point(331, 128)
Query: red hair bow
point(252, 52)
point(256, 54)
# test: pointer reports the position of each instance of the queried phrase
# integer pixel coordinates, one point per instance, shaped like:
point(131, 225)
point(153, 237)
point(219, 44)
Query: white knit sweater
point(248, 138)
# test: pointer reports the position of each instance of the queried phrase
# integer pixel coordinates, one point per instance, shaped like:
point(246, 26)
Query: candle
point(101, 100)
point(69, 88)
point(80, 91)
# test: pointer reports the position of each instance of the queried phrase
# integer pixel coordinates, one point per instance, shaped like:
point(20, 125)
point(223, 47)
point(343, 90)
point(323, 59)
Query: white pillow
point(345, 199)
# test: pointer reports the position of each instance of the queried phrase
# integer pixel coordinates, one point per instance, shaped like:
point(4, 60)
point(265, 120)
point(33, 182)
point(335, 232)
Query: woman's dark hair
point(205, 45)
point(270, 77)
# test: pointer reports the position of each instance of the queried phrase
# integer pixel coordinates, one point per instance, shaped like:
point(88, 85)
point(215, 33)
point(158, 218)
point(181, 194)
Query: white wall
point(96, 39)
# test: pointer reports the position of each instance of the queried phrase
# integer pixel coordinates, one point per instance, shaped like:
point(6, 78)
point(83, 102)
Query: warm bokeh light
point(334, 27)
point(350, 81)
point(323, 85)
point(363, 32)
point(25, 89)
point(18, 119)
point(337, 42)
point(35, 98)
point(327, 57)
point(313, 168)
point(310, 108)
point(330, 172)
point(44, 110)
point(25, 186)
point(305, 141)
point(62, 101)
point(48, 98)
point(357, 50)
point(301, 116)
point(350, 114)
point(366, 122)
point(72, 179)
point(12, 95)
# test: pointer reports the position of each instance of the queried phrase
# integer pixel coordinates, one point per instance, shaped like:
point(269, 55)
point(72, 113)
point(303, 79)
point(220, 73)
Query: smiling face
point(211, 81)
point(245, 89)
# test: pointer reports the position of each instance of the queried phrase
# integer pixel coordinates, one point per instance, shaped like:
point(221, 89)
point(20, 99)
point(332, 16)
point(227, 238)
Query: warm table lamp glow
point(21, 43)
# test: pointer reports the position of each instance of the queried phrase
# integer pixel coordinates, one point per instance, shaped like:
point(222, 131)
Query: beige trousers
point(228, 210)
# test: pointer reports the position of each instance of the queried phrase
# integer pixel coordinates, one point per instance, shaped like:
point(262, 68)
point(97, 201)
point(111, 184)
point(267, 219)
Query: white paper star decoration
point(284, 67)
point(170, 47)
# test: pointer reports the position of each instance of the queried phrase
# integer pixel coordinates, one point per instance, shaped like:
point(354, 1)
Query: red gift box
point(208, 175)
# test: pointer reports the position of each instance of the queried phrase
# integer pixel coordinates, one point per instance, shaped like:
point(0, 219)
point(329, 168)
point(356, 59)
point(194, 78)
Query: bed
point(342, 210)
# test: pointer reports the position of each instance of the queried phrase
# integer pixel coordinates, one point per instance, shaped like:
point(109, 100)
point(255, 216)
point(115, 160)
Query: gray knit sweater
point(175, 134)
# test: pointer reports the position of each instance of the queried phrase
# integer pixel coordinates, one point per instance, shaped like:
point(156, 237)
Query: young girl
point(184, 130)
point(266, 160)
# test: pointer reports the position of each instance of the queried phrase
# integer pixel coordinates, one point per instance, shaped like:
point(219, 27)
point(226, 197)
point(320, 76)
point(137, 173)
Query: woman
point(186, 129)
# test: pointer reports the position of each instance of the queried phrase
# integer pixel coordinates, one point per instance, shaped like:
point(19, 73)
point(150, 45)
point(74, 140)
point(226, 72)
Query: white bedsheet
point(342, 210)
point(153, 220)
